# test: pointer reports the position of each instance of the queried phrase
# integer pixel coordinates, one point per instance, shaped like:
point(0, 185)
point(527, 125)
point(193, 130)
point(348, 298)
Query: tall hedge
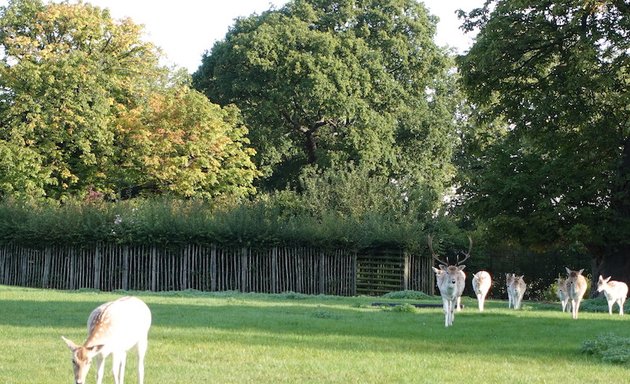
point(173, 222)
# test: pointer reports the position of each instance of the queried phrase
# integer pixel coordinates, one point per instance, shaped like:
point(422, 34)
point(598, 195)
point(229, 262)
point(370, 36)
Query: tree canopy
point(325, 83)
point(549, 155)
point(85, 105)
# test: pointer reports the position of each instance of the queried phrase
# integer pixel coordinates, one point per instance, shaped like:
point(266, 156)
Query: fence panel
point(109, 267)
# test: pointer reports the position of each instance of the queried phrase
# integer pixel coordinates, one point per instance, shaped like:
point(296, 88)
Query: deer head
point(81, 359)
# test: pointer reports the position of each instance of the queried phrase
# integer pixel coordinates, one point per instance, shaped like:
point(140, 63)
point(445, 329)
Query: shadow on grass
point(345, 324)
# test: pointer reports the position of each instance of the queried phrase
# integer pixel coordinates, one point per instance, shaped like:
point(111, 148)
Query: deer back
point(612, 288)
point(119, 325)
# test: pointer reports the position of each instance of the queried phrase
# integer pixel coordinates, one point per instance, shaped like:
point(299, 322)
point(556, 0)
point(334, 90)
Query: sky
point(185, 29)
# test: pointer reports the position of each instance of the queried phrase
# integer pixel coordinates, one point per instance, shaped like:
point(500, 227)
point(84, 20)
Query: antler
point(467, 254)
point(435, 256)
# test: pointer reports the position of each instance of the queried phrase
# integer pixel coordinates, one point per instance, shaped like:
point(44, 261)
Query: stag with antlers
point(451, 280)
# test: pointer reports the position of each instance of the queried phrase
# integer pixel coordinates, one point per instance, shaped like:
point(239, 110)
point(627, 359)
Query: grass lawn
point(255, 338)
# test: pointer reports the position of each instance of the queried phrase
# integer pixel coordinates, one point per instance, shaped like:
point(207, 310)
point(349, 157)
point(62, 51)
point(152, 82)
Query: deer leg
point(100, 368)
point(142, 350)
point(117, 359)
point(611, 303)
point(447, 312)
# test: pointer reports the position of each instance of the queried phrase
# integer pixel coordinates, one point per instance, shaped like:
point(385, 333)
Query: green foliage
point(326, 83)
point(549, 140)
point(85, 106)
point(609, 348)
point(411, 295)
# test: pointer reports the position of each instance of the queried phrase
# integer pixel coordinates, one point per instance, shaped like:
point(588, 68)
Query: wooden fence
point(209, 268)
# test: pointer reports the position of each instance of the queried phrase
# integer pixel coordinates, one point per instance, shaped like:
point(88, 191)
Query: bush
point(609, 348)
point(411, 295)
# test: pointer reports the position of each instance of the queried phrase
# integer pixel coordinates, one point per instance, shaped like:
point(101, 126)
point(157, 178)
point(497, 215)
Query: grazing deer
point(615, 292)
point(576, 287)
point(451, 280)
point(113, 328)
point(563, 294)
point(481, 283)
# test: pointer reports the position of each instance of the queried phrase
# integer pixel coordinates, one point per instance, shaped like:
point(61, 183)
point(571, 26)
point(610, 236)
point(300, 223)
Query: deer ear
point(581, 270)
point(461, 267)
point(70, 344)
point(436, 270)
point(95, 349)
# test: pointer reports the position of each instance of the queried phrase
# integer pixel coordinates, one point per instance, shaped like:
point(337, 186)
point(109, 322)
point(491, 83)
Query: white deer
point(563, 294)
point(481, 283)
point(615, 292)
point(451, 280)
point(576, 287)
point(113, 328)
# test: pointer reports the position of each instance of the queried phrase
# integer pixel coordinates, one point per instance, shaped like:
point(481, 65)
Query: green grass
point(292, 338)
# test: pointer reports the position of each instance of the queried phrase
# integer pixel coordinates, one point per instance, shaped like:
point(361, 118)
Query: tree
point(181, 144)
point(323, 83)
point(72, 78)
point(550, 164)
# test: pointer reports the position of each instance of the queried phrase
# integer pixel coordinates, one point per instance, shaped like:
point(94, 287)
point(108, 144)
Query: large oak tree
point(325, 83)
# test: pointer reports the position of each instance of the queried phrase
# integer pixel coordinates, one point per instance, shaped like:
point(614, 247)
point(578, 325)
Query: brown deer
point(113, 328)
point(576, 287)
point(451, 280)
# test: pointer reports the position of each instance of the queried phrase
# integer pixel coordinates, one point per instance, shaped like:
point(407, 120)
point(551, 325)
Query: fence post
point(184, 269)
point(243, 269)
point(125, 268)
point(274, 270)
point(46, 272)
point(353, 272)
point(213, 268)
point(406, 271)
point(3, 257)
point(322, 274)
point(97, 267)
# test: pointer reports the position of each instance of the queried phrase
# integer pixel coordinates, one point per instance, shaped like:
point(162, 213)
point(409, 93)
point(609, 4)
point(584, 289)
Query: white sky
point(185, 29)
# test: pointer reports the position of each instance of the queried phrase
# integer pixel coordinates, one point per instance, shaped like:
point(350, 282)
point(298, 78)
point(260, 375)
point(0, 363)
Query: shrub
point(610, 348)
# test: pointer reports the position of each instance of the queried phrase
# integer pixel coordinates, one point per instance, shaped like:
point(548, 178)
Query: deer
point(509, 285)
point(516, 288)
point(481, 283)
point(113, 328)
point(563, 294)
point(615, 292)
point(576, 287)
point(451, 280)
point(519, 288)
